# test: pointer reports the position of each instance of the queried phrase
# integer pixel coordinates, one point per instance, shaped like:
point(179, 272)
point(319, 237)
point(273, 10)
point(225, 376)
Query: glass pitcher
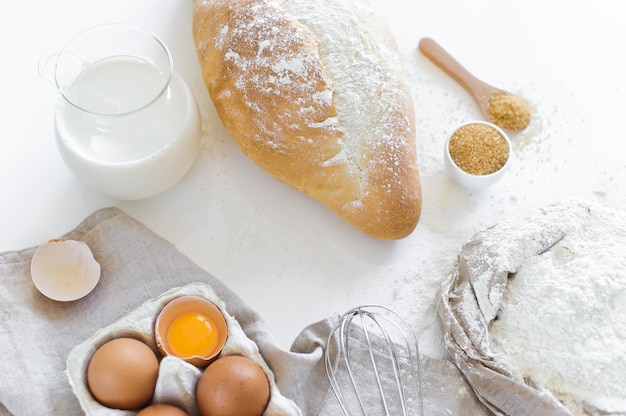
point(126, 124)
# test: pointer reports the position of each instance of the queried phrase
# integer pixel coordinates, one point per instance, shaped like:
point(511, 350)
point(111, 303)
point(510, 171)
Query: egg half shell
point(183, 305)
point(64, 270)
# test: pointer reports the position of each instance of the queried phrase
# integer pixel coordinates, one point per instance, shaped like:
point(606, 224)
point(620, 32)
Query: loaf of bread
point(313, 93)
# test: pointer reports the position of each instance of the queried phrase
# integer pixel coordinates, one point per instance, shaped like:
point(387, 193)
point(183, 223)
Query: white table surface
point(283, 253)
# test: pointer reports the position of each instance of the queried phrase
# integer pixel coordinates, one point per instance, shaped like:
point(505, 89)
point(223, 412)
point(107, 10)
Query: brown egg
point(233, 385)
point(122, 373)
point(162, 410)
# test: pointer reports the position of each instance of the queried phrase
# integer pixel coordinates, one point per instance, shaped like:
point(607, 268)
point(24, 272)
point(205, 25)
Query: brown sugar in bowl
point(477, 154)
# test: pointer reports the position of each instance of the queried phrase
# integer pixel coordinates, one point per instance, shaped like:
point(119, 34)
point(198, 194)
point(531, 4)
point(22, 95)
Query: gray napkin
point(471, 298)
point(37, 334)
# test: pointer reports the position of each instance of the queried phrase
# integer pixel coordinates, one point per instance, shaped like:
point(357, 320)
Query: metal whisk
point(372, 362)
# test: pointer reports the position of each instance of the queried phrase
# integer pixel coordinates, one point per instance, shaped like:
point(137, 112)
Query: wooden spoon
point(502, 108)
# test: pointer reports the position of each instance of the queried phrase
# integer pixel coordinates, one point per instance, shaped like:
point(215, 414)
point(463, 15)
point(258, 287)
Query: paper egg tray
point(177, 379)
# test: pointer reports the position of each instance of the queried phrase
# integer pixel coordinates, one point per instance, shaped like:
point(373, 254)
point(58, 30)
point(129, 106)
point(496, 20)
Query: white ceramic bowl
point(470, 180)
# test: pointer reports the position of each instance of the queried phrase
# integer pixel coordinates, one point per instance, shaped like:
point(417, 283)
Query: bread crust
point(271, 79)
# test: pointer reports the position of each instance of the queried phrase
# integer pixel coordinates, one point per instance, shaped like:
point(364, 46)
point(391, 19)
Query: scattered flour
point(562, 321)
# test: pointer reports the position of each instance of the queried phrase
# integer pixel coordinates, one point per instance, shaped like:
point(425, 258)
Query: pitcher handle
point(46, 67)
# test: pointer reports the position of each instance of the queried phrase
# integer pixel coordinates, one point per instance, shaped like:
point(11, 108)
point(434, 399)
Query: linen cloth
point(471, 298)
point(37, 334)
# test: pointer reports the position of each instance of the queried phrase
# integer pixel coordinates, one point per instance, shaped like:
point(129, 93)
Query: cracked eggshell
point(193, 304)
point(64, 270)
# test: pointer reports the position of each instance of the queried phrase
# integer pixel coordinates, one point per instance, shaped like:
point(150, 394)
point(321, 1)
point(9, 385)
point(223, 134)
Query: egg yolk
point(192, 334)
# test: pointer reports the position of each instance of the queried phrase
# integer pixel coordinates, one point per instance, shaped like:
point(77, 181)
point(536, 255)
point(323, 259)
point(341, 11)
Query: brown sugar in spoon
point(502, 108)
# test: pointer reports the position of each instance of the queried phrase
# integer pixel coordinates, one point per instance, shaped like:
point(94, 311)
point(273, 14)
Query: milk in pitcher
point(129, 150)
point(126, 123)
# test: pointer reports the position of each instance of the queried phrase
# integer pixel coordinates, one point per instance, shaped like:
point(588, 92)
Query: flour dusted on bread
point(313, 92)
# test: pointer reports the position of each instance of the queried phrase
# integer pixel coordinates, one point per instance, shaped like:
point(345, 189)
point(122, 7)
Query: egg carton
point(177, 379)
